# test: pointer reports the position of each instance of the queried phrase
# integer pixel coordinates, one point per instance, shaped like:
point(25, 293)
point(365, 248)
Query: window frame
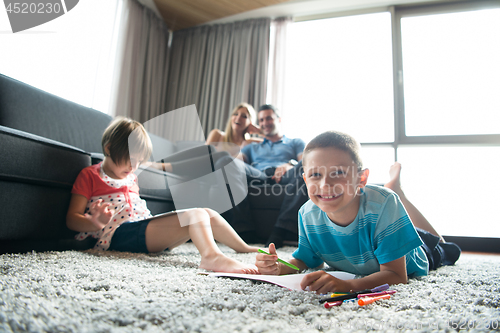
point(397, 13)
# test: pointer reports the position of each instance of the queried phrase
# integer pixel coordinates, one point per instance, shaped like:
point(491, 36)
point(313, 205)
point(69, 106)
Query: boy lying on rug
point(106, 205)
point(357, 228)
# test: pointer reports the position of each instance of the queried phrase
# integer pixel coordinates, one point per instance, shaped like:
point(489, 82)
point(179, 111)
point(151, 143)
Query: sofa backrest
point(35, 111)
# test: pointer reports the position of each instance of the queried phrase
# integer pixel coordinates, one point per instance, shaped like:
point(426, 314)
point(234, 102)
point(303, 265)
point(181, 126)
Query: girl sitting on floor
point(106, 205)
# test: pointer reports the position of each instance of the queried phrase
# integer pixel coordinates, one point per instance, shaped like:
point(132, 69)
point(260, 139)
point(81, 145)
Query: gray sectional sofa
point(45, 141)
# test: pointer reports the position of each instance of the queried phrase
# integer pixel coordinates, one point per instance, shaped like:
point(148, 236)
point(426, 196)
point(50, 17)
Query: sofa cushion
point(266, 196)
point(153, 184)
point(36, 177)
point(161, 147)
point(35, 111)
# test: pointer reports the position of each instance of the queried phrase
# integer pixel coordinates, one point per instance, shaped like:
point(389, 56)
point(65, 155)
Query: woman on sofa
point(239, 126)
point(238, 129)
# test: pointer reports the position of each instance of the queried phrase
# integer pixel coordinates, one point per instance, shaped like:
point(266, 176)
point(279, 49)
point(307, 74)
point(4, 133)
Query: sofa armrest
point(36, 177)
point(31, 158)
point(33, 137)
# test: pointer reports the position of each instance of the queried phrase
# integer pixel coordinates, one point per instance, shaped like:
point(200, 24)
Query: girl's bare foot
point(395, 181)
point(220, 263)
point(248, 249)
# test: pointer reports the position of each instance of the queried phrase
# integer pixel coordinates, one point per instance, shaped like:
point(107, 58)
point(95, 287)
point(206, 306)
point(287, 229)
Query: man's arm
point(280, 171)
point(245, 153)
point(299, 148)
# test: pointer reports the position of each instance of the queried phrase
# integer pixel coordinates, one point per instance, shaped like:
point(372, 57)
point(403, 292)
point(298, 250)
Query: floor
point(481, 253)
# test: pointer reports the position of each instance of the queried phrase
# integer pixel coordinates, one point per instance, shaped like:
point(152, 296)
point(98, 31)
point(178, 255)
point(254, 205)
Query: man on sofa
point(278, 160)
point(270, 160)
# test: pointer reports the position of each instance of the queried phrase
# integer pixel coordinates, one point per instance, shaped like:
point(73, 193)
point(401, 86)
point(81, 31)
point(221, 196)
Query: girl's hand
point(268, 264)
point(100, 214)
point(252, 129)
point(323, 283)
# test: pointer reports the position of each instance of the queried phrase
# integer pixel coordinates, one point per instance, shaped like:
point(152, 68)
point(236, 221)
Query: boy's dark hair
point(269, 107)
point(124, 135)
point(338, 140)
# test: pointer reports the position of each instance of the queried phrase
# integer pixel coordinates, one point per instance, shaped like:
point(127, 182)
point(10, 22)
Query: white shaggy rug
point(122, 292)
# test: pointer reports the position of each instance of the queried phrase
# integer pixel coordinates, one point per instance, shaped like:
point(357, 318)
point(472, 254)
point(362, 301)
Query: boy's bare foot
point(395, 181)
point(220, 263)
point(416, 216)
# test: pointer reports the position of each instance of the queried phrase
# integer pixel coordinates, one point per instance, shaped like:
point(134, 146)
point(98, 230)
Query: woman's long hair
point(229, 129)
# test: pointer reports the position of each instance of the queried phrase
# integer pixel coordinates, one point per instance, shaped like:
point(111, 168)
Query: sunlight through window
point(339, 77)
point(71, 56)
point(452, 73)
point(452, 187)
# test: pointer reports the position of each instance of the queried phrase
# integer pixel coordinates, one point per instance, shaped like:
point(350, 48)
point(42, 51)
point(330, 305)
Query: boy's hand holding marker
point(320, 281)
point(270, 264)
point(281, 261)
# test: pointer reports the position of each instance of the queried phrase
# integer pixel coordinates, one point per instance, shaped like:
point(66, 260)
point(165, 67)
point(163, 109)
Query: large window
point(452, 73)
point(415, 84)
point(72, 56)
point(339, 75)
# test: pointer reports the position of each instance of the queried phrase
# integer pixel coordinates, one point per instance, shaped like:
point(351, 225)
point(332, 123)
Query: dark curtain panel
point(215, 67)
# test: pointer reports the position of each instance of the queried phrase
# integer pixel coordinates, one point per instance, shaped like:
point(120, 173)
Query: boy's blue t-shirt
point(381, 232)
point(269, 154)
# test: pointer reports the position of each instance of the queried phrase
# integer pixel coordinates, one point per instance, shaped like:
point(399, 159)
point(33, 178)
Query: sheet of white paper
point(291, 281)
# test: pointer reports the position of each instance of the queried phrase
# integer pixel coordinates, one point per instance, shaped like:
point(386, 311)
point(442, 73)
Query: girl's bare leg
point(224, 233)
point(167, 232)
point(416, 216)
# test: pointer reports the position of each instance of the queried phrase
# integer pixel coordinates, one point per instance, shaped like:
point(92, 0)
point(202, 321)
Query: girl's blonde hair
point(229, 129)
point(124, 135)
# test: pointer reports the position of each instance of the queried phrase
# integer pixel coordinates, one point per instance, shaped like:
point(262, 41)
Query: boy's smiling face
point(333, 179)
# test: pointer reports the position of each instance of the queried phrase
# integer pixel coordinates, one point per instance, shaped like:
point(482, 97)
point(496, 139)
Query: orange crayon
point(370, 300)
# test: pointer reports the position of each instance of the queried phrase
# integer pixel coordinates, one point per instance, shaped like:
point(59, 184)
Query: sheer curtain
point(277, 63)
point(142, 69)
point(215, 67)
